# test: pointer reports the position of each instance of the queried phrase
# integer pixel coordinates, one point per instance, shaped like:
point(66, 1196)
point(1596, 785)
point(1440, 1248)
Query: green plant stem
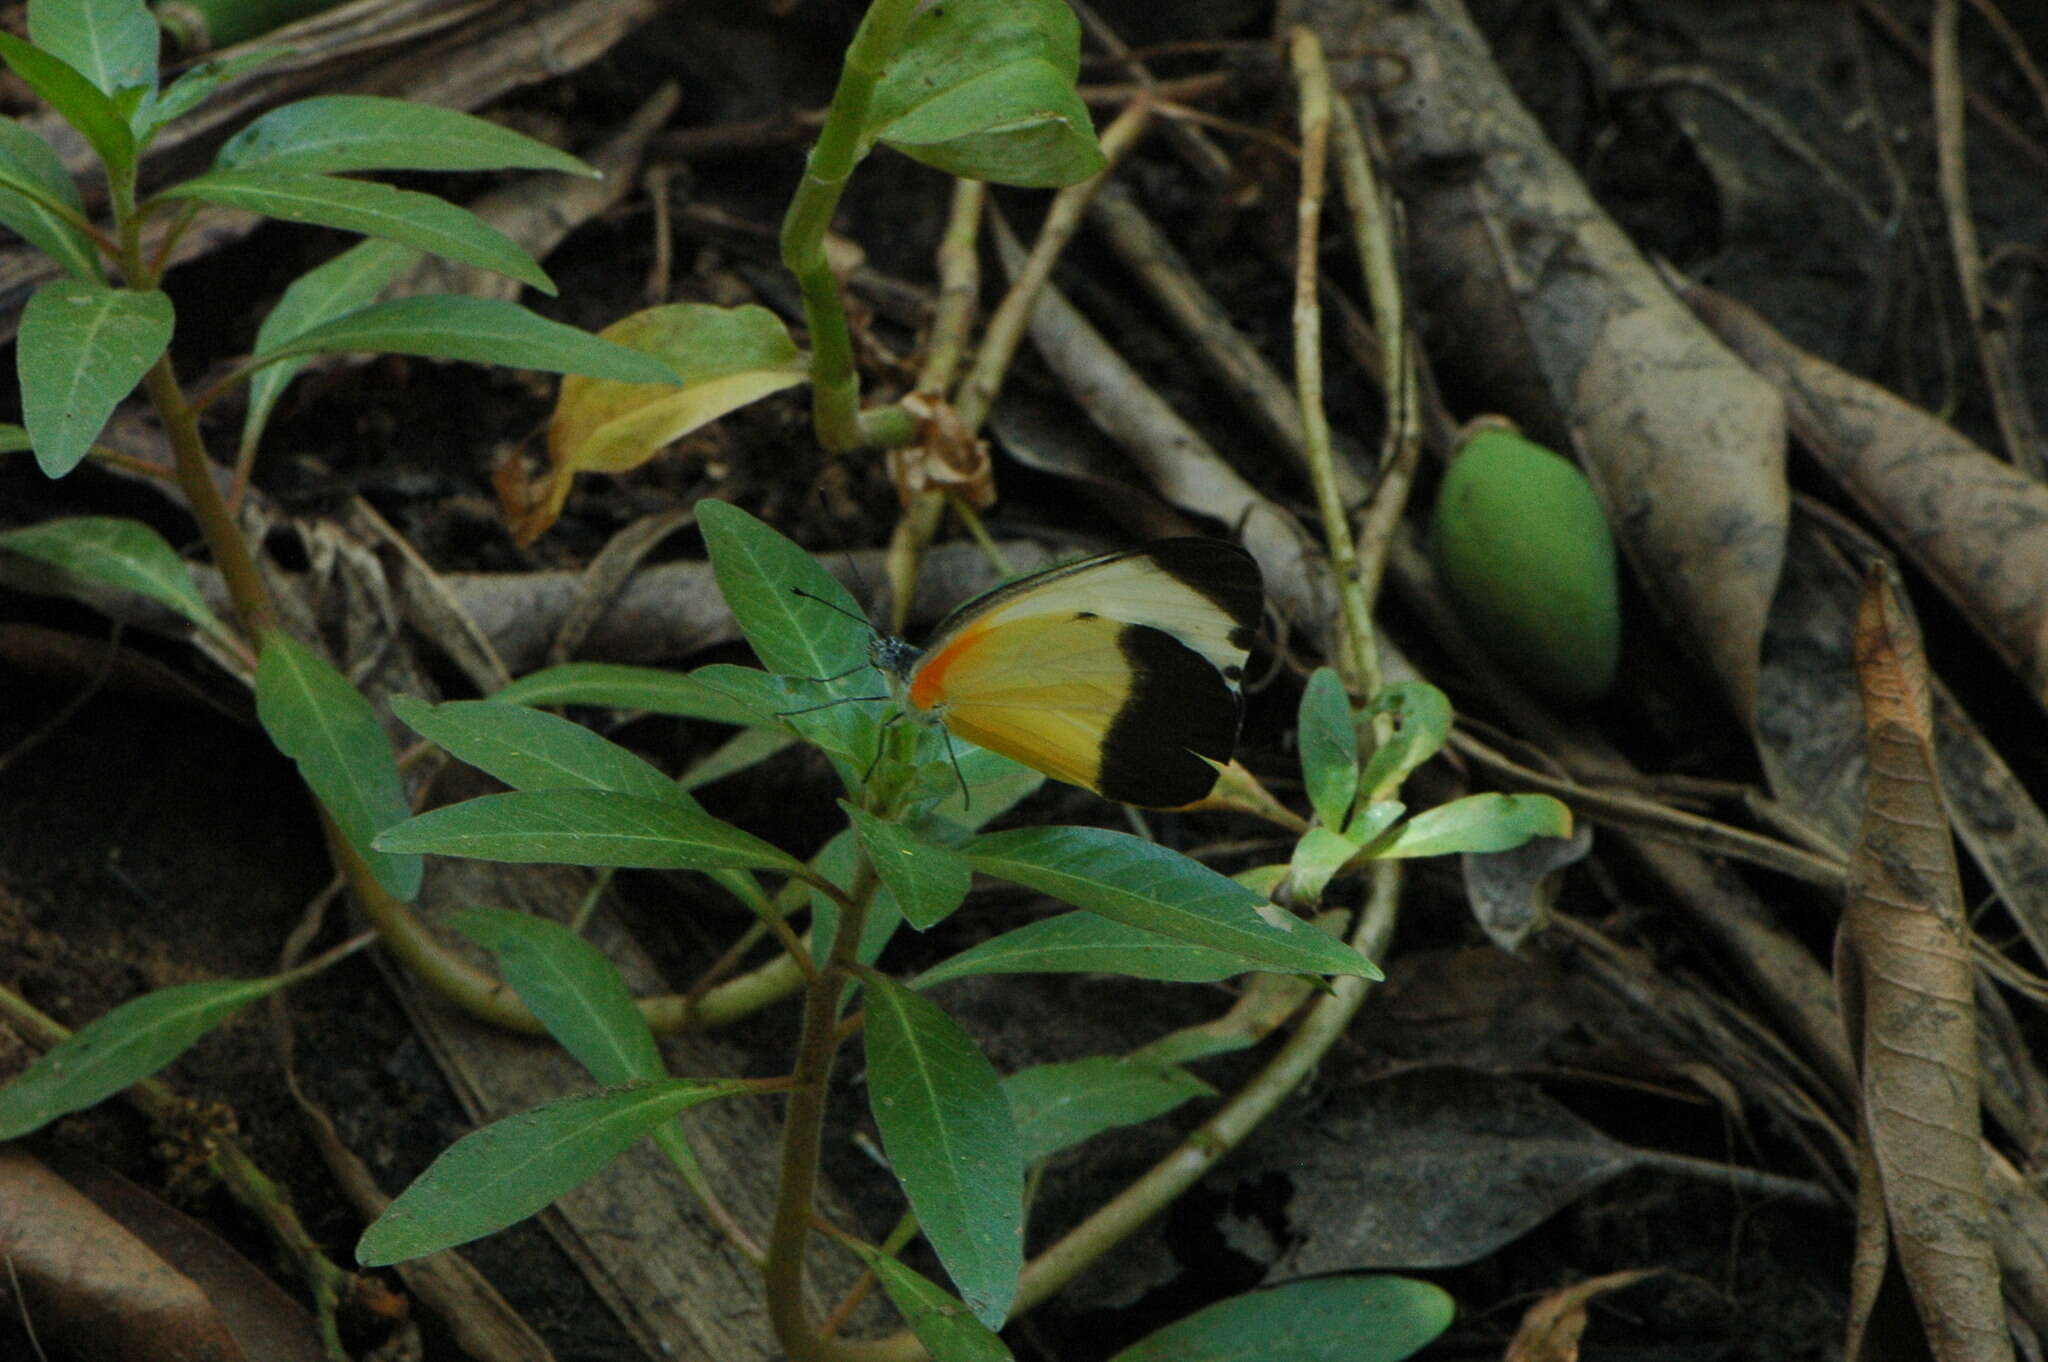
point(959, 287)
point(1357, 658)
point(835, 385)
point(803, 1124)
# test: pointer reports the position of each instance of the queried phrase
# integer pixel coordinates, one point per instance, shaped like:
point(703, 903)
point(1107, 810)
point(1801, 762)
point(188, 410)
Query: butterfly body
point(1120, 673)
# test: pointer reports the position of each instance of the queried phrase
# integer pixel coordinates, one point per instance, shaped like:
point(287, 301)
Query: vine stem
point(835, 385)
point(802, 1126)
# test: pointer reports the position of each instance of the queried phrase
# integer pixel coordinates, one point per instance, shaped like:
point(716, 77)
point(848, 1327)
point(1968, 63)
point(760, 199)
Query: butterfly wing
point(1119, 674)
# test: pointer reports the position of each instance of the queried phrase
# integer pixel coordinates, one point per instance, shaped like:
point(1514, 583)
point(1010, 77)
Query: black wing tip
point(1222, 571)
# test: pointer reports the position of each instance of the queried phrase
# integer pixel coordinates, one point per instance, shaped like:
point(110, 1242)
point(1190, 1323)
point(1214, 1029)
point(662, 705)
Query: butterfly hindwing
point(1117, 673)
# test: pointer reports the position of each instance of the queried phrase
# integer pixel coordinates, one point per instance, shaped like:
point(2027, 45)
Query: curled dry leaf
point(725, 357)
point(1903, 965)
point(1972, 522)
point(946, 458)
point(1551, 1328)
point(1575, 336)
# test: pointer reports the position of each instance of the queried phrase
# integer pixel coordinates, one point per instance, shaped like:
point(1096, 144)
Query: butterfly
point(1121, 673)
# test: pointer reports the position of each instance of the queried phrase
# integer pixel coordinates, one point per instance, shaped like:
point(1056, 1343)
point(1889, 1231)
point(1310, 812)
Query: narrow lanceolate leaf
point(949, 1333)
point(586, 827)
point(530, 749)
point(330, 134)
point(501, 1174)
point(112, 43)
point(1329, 747)
point(83, 348)
point(433, 225)
point(340, 286)
point(1082, 943)
point(1488, 822)
point(122, 1048)
point(573, 988)
point(621, 687)
point(76, 99)
point(1060, 1105)
point(1904, 971)
point(929, 881)
point(1323, 1319)
point(1144, 885)
point(199, 84)
point(123, 553)
point(480, 330)
point(947, 1130)
point(32, 180)
point(326, 726)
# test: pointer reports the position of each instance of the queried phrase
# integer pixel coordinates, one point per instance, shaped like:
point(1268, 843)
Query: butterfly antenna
point(829, 605)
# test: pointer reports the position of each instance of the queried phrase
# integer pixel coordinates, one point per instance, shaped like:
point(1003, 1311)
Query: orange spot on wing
point(928, 686)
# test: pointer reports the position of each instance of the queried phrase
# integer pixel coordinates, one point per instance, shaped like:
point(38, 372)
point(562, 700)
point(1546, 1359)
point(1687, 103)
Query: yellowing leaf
point(726, 358)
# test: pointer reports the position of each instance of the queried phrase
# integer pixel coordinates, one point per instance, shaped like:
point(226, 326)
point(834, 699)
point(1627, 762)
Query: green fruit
point(1523, 549)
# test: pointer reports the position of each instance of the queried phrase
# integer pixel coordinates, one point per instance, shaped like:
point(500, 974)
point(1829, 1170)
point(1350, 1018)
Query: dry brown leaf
point(1973, 523)
point(92, 1287)
point(1571, 331)
point(1550, 1330)
point(1904, 962)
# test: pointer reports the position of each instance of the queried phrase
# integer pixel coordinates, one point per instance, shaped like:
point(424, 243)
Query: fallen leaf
point(1551, 1328)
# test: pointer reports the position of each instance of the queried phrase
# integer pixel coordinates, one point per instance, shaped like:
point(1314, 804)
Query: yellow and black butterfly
point(1121, 673)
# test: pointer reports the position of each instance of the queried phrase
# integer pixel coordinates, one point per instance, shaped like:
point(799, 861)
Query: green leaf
point(201, 83)
point(586, 827)
point(529, 749)
point(83, 348)
point(326, 726)
point(823, 640)
point(949, 1333)
point(573, 988)
point(532, 750)
point(1329, 747)
point(30, 167)
point(1058, 1106)
point(984, 89)
point(837, 728)
point(1082, 943)
point(340, 286)
point(759, 573)
point(123, 553)
point(480, 330)
point(120, 1049)
point(947, 1130)
point(433, 225)
point(929, 881)
point(996, 784)
point(1323, 1319)
point(501, 1174)
point(622, 687)
point(1318, 856)
point(112, 43)
point(1144, 885)
point(13, 439)
point(329, 134)
point(1422, 723)
point(1485, 822)
point(76, 99)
